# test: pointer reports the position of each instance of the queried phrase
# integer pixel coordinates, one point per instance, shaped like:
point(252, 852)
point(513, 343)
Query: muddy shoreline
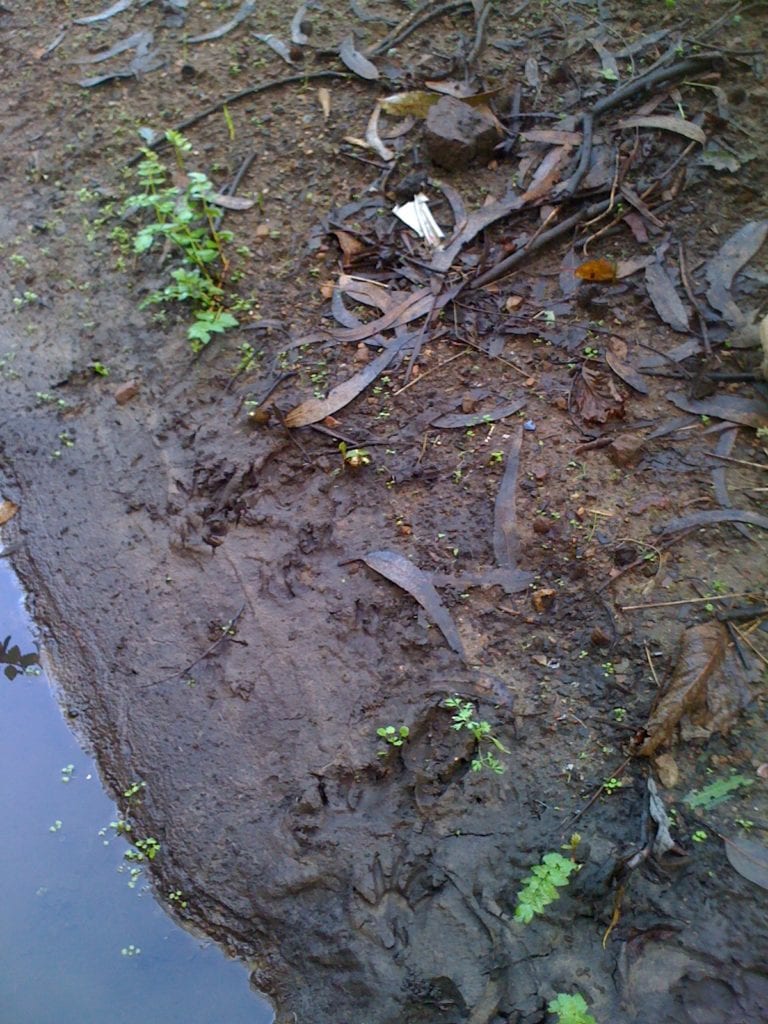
point(198, 587)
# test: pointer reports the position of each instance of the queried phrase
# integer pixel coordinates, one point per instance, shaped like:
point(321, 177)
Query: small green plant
point(177, 897)
point(146, 849)
point(746, 823)
point(67, 772)
point(611, 785)
point(540, 887)
point(495, 458)
point(184, 220)
point(134, 789)
point(464, 717)
point(570, 1009)
point(355, 458)
point(619, 714)
point(395, 737)
point(56, 826)
point(700, 836)
point(99, 369)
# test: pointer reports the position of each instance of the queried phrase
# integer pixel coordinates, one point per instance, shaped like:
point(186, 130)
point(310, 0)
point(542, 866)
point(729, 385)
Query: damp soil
point(198, 578)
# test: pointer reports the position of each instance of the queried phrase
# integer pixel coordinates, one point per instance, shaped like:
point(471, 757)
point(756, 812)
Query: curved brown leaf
point(316, 409)
point(400, 570)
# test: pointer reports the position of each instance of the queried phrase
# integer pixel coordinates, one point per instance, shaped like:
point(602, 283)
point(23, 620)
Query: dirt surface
point(199, 580)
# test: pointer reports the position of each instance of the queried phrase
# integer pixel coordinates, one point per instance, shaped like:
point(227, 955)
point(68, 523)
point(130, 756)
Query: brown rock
point(456, 134)
point(626, 450)
point(126, 392)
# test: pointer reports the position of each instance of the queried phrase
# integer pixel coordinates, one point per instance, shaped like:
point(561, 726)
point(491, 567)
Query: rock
point(626, 450)
point(126, 392)
point(456, 134)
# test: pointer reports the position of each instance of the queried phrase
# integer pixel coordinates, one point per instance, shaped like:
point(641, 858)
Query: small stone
point(541, 525)
point(668, 772)
point(626, 450)
point(457, 134)
point(600, 638)
point(125, 392)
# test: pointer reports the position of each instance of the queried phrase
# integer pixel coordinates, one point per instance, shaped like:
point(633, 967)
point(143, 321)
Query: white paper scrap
point(418, 216)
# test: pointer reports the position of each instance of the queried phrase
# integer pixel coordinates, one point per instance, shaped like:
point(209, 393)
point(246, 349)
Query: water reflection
point(78, 945)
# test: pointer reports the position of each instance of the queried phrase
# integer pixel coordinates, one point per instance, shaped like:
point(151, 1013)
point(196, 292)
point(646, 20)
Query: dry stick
point(427, 373)
point(641, 561)
point(635, 85)
point(226, 634)
point(253, 90)
point(570, 822)
point(234, 185)
point(479, 44)
point(692, 298)
point(413, 22)
point(651, 666)
point(745, 639)
point(518, 257)
point(739, 462)
point(690, 600)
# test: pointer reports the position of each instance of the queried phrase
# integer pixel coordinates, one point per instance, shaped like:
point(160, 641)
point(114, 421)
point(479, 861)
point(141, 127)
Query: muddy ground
point(198, 578)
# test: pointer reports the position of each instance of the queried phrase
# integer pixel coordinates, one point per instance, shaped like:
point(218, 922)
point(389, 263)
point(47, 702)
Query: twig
point(234, 185)
point(739, 462)
point(744, 639)
point(690, 600)
point(226, 634)
point(651, 666)
point(640, 561)
point(570, 822)
point(693, 300)
point(515, 258)
point(427, 373)
point(414, 21)
point(253, 90)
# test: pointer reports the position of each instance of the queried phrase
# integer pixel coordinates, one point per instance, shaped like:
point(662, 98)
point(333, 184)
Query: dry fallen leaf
point(702, 650)
point(413, 580)
point(749, 858)
point(595, 396)
point(7, 511)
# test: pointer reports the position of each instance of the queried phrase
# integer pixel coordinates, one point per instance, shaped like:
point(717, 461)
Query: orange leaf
point(597, 270)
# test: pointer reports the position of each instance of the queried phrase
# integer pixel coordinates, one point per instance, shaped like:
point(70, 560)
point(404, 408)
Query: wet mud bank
point(209, 585)
point(193, 584)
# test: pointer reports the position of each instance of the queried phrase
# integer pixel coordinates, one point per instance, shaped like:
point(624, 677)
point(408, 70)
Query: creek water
point(77, 944)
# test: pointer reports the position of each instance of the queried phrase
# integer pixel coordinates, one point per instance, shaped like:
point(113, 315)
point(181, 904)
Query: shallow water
point(69, 923)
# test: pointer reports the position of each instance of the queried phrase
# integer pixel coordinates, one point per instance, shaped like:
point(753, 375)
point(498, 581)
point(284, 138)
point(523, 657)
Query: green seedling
point(540, 887)
point(67, 772)
point(495, 458)
point(183, 219)
point(464, 718)
point(611, 785)
point(177, 897)
point(134, 789)
point(354, 458)
point(619, 714)
point(99, 369)
point(570, 1009)
point(55, 827)
point(146, 849)
point(700, 836)
point(395, 737)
